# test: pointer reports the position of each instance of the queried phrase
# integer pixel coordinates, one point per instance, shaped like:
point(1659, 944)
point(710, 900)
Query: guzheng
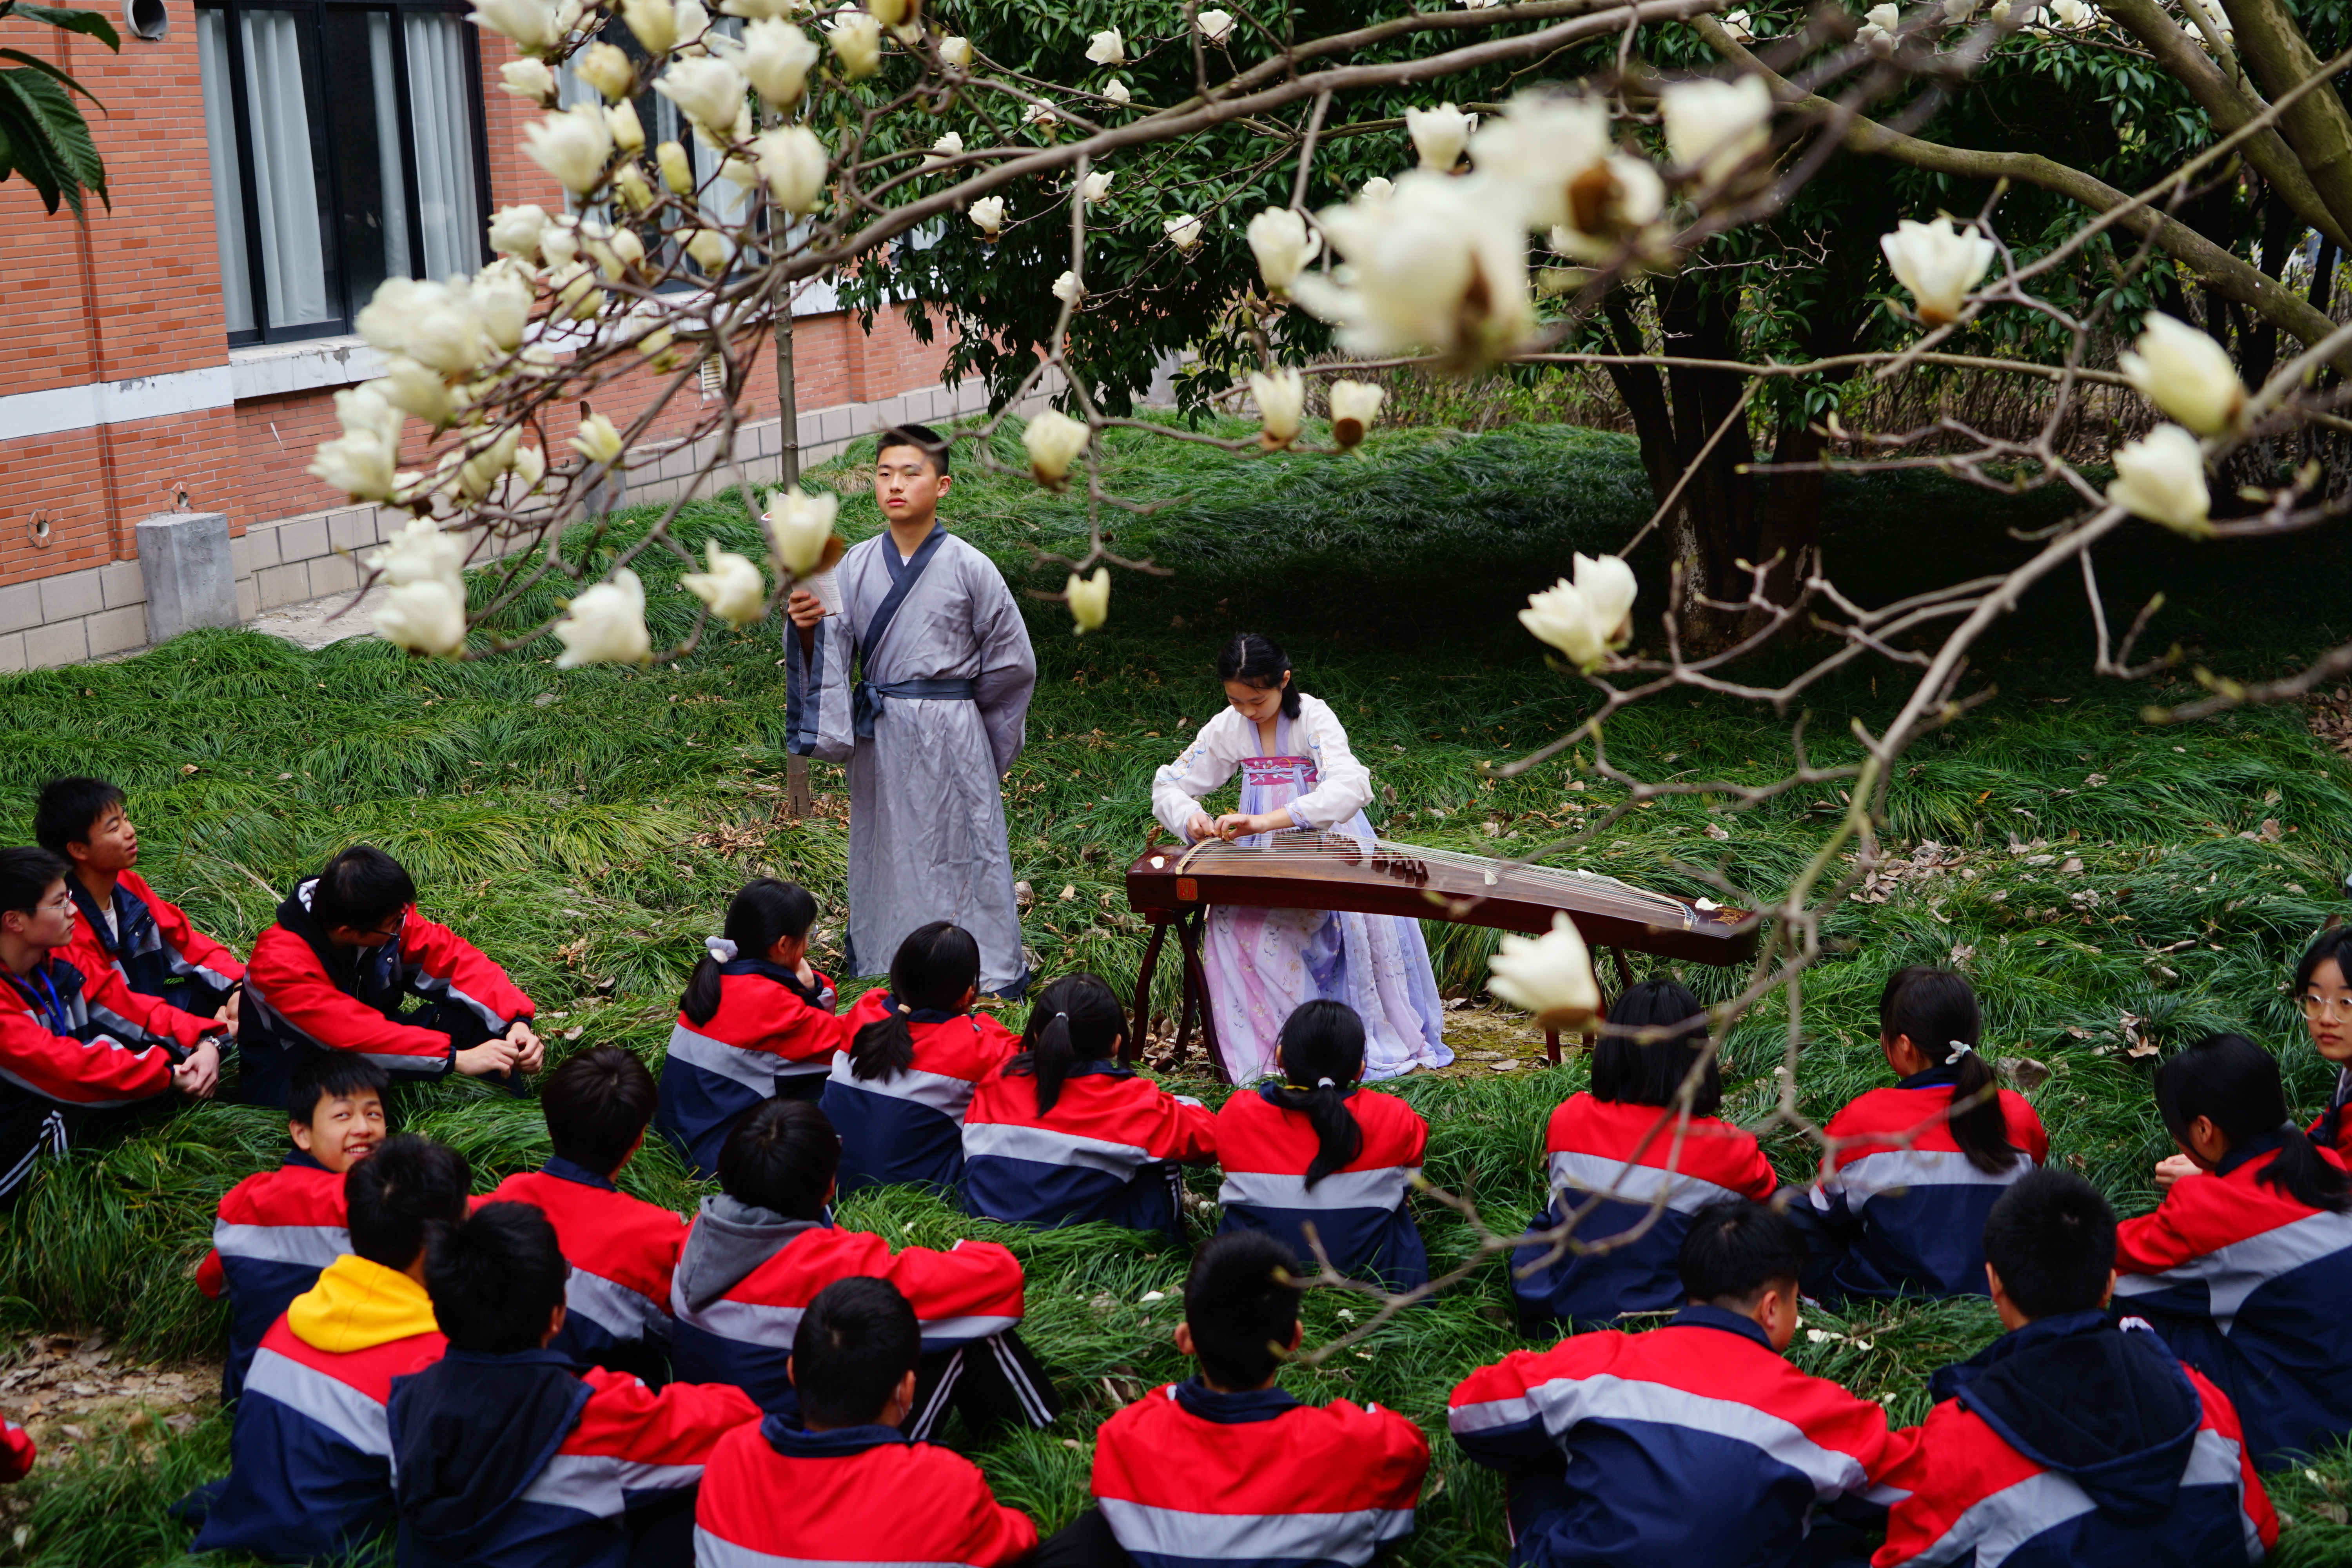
point(1307, 870)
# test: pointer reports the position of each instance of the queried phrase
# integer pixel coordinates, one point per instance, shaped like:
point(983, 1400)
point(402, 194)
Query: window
point(346, 148)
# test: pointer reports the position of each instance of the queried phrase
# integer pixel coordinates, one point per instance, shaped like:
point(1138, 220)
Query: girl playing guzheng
point(1296, 772)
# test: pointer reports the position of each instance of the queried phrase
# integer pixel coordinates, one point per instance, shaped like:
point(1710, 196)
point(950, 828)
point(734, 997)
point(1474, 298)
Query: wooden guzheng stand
point(1174, 885)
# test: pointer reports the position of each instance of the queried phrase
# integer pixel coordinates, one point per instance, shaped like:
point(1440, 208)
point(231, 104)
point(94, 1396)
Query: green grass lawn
point(587, 827)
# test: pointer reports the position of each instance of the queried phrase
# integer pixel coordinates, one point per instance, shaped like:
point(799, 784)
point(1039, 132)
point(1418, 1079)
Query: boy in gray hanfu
point(930, 723)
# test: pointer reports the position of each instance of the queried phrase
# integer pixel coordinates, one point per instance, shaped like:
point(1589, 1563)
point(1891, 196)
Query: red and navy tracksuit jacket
point(747, 1275)
point(2249, 1288)
point(304, 994)
point(622, 1251)
point(1187, 1478)
point(56, 1054)
point(772, 1035)
point(275, 1230)
point(156, 949)
point(2072, 1444)
point(909, 1127)
point(1357, 1210)
point(1107, 1150)
point(2332, 1128)
point(1640, 1154)
point(16, 1453)
point(1696, 1444)
point(775, 1496)
point(524, 1461)
point(1900, 1207)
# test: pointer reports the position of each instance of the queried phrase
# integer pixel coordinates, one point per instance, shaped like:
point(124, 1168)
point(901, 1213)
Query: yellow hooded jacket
point(357, 1305)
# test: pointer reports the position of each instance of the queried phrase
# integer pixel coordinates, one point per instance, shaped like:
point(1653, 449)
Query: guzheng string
point(1212, 854)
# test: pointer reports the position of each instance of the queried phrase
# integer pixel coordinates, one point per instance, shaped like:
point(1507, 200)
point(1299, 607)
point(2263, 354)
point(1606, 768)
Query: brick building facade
point(140, 360)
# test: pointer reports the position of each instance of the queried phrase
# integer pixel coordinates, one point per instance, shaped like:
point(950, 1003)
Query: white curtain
point(284, 170)
point(438, 105)
point(394, 186)
point(228, 196)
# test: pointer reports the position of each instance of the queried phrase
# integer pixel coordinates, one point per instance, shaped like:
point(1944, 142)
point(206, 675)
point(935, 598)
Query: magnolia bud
point(733, 587)
point(1550, 975)
point(2160, 476)
point(527, 79)
point(987, 216)
point(1283, 245)
point(606, 625)
point(1937, 263)
point(1354, 406)
point(606, 68)
point(2185, 372)
point(799, 524)
point(1215, 25)
point(1106, 47)
point(676, 172)
point(1438, 134)
point(1054, 441)
point(598, 441)
point(857, 40)
point(956, 52)
point(1089, 599)
point(653, 23)
point(1183, 231)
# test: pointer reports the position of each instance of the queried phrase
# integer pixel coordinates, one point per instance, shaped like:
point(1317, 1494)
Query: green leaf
point(72, 160)
point(90, 23)
point(29, 153)
point(44, 67)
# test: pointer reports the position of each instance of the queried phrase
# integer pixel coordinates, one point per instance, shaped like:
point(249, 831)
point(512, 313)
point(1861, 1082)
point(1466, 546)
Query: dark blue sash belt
point(866, 698)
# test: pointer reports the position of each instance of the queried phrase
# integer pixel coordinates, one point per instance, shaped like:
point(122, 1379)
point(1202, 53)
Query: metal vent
point(714, 375)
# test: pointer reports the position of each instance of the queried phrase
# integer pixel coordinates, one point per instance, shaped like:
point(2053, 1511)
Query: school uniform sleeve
point(1941, 1473)
point(992, 1533)
point(286, 972)
point(1343, 786)
point(1496, 1423)
point(444, 964)
point(17, 1452)
point(1187, 1132)
point(635, 1441)
point(1008, 665)
point(2165, 1239)
point(1178, 787)
point(101, 1072)
point(2025, 1128)
point(2254, 1508)
point(211, 1278)
point(193, 953)
point(125, 1012)
point(972, 1290)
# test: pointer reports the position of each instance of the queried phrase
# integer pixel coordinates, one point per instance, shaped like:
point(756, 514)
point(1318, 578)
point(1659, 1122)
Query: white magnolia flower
point(360, 464)
point(573, 146)
point(1041, 116)
point(987, 216)
point(1878, 26)
point(1560, 616)
point(1440, 264)
point(515, 231)
point(1281, 402)
point(1543, 143)
point(857, 40)
point(1067, 290)
point(606, 625)
point(421, 552)
point(1283, 245)
point(598, 441)
point(1106, 47)
point(1054, 441)
point(761, 10)
point(655, 23)
point(948, 146)
point(427, 617)
point(956, 52)
point(1939, 263)
point(576, 294)
point(1607, 586)
point(362, 409)
point(613, 251)
point(628, 131)
point(1089, 599)
point(1095, 186)
point(527, 79)
point(799, 524)
point(501, 304)
point(1376, 189)
point(2185, 372)
point(1739, 25)
point(413, 389)
point(2160, 476)
point(529, 23)
point(1215, 26)
point(1550, 975)
point(1606, 205)
point(676, 172)
point(693, 23)
point(707, 90)
point(1957, 12)
point(2074, 15)
point(1712, 126)
point(1183, 230)
point(447, 335)
point(1116, 91)
point(777, 58)
point(606, 68)
point(893, 12)
point(713, 252)
point(793, 161)
point(530, 467)
point(629, 185)
point(1354, 406)
point(733, 587)
point(1438, 134)
point(2214, 14)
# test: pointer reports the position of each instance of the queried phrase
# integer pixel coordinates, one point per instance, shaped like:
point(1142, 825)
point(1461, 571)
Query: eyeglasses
point(2328, 1007)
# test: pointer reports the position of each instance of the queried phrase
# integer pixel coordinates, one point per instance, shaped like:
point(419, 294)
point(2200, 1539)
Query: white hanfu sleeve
point(1214, 757)
point(1343, 786)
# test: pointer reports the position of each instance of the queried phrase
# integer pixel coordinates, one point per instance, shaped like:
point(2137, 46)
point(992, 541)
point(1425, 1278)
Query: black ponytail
point(1257, 660)
point(1077, 1018)
point(1322, 1055)
point(934, 967)
point(762, 913)
point(1937, 1011)
point(2234, 1083)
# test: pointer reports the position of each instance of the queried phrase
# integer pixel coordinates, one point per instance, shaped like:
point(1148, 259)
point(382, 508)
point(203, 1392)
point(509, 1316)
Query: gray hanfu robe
point(933, 722)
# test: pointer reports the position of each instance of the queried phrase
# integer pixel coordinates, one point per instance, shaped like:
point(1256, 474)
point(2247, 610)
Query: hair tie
point(1959, 1049)
point(904, 1010)
point(1064, 1016)
point(1325, 1083)
point(720, 949)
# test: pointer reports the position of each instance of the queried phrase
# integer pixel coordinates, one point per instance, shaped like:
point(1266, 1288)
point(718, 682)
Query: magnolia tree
point(1545, 183)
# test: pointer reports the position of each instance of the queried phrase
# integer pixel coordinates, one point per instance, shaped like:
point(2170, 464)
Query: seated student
point(761, 1251)
point(57, 1063)
point(1225, 1467)
point(756, 1022)
point(622, 1249)
point(1693, 1443)
point(899, 1092)
point(2324, 982)
point(348, 949)
point(1062, 1134)
point(310, 1454)
point(125, 925)
point(1317, 1150)
point(2067, 1440)
point(1622, 1140)
point(505, 1455)
point(2245, 1266)
point(842, 1482)
point(1902, 1202)
point(276, 1229)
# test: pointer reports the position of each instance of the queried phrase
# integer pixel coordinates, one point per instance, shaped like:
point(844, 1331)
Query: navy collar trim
point(921, 1015)
point(1238, 1409)
point(2251, 1149)
point(793, 1441)
point(302, 1160)
point(784, 977)
point(564, 1170)
point(1934, 1078)
point(509, 1358)
point(1699, 1315)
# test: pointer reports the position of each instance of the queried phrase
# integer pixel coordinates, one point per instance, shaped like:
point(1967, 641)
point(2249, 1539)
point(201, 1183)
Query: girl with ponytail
point(757, 1022)
point(2245, 1266)
point(1064, 1133)
point(899, 1091)
point(1315, 1150)
point(1914, 1170)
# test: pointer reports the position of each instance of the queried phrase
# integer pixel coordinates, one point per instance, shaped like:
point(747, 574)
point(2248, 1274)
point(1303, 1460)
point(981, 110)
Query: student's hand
point(804, 609)
point(1200, 827)
point(1234, 824)
point(2171, 1168)
point(491, 1057)
point(529, 1051)
point(199, 1073)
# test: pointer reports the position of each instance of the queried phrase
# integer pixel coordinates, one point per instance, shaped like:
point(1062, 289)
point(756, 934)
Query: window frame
point(315, 12)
